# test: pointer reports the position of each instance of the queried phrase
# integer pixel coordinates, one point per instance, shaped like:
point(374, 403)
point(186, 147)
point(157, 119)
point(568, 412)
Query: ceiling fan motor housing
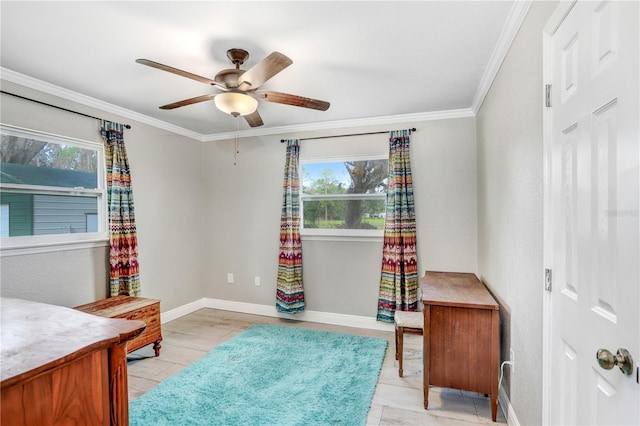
point(229, 77)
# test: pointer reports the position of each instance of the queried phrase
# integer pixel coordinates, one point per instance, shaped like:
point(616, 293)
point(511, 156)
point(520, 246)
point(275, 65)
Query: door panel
point(593, 198)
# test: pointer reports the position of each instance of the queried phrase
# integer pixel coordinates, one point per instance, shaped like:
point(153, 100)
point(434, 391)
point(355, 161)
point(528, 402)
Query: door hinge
point(547, 95)
point(547, 279)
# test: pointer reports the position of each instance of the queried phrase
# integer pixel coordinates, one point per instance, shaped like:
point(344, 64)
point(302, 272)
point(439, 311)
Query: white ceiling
point(373, 61)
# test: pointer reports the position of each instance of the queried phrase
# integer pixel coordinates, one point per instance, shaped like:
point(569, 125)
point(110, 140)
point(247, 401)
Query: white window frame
point(339, 234)
point(28, 244)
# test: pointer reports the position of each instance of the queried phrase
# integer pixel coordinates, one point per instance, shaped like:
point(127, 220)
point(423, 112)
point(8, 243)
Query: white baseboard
point(507, 408)
point(181, 311)
point(271, 311)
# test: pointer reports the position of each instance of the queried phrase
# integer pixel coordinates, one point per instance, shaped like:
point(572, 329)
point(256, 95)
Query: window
point(91, 221)
point(52, 188)
point(345, 197)
point(4, 220)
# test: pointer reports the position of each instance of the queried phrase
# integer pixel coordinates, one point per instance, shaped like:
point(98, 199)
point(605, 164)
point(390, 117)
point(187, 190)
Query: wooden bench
point(131, 308)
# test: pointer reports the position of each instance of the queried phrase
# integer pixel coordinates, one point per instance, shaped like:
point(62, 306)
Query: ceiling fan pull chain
point(237, 146)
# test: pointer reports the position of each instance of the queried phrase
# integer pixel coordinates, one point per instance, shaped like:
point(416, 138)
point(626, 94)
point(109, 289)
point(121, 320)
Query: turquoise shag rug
point(270, 375)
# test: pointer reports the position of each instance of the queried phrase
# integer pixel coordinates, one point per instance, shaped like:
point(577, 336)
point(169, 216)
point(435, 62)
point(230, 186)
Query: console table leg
point(494, 407)
point(495, 361)
point(426, 353)
point(156, 347)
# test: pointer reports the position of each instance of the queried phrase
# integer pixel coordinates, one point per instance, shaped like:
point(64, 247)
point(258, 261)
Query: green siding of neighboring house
point(20, 213)
point(23, 208)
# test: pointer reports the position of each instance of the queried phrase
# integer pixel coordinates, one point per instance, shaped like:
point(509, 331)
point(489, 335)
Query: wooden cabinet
point(59, 366)
point(461, 335)
point(131, 308)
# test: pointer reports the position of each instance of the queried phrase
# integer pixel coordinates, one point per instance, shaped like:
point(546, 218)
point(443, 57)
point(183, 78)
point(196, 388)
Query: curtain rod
point(413, 129)
point(57, 107)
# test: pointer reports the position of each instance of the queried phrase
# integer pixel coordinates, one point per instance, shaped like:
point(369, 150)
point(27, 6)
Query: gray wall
point(242, 211)
point(167, 190)
point(510, 191)
point(199, 216)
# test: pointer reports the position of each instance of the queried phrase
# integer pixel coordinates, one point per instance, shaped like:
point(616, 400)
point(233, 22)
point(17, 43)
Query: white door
point(592, 236)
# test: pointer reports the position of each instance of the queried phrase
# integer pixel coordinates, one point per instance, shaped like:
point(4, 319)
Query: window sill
point(18, 246)
point(341, 235)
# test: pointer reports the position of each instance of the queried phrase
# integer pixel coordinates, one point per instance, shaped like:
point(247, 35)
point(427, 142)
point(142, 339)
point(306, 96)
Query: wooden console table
point(60, 366)
point(461, 335)
point(131, 308)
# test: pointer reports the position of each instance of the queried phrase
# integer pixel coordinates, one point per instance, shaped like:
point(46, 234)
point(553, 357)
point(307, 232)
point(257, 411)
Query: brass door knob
point(622, 359)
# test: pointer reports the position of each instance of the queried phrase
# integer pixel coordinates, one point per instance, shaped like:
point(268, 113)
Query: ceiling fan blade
point(285, 98)
point(254, 119)
point(177, 71)
point(188, 101)
point(263, 71)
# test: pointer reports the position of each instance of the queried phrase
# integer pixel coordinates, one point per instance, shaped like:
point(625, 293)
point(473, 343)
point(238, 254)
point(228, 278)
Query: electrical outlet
point(229, 278)
point(257, 281)
point(513, 360)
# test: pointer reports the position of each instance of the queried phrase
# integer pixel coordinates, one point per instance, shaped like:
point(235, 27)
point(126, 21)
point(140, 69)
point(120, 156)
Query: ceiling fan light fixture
point(235, 103)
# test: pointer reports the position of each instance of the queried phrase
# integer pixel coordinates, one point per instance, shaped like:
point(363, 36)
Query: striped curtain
point(290, 293)
point(399, 277)
point(124, 276)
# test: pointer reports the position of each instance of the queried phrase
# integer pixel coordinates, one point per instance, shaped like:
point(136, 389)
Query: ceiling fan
point(239, 94)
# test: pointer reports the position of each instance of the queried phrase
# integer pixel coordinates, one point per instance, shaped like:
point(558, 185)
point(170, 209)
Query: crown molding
point(511, 27)
point(61, 92)
point(45, 87)
point(341, 124)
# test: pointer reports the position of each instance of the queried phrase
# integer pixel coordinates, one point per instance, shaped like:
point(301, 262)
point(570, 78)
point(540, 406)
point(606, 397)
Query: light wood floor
point(397, 401)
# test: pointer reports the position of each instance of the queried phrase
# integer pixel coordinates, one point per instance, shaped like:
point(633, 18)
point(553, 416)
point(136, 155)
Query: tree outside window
point(344, 194)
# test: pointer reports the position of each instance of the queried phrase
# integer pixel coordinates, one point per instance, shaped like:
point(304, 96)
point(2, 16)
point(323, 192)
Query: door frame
point(554, 22)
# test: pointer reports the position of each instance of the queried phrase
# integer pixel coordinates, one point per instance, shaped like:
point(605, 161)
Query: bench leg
point(156, 347)
point(396, 342)
point(400, 349)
